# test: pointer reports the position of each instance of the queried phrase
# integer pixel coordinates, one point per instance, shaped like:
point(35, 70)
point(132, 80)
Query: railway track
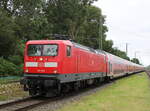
point(26, 104)
point(33, 102)
point(148, 73)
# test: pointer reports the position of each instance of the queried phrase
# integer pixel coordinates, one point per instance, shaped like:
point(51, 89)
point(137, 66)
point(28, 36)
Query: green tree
point(120, 53)
point(90, 32)
point(31, 19)
point(67, 16)
point(8, 39)
point(135, 60)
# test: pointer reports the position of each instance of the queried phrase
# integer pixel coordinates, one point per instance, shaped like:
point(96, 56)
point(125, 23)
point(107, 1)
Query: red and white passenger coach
point(55, 66)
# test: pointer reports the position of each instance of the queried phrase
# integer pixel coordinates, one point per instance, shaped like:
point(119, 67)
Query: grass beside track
point(128, 94)
point(6, 80)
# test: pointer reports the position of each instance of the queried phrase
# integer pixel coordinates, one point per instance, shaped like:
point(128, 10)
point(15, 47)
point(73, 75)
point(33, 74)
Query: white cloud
point(129, 22)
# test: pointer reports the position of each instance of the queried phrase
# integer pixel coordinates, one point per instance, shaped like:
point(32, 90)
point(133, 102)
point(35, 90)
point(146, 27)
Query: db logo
point(40, 64)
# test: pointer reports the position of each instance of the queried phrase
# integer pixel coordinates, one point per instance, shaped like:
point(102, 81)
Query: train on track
point(52, 67)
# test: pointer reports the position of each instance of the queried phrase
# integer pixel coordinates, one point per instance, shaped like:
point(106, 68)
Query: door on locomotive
point(110, 68)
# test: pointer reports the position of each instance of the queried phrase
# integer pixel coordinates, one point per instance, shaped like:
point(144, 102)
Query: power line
point(127, 49)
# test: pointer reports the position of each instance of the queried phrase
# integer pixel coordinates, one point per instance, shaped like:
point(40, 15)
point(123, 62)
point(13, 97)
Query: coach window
point(68, 50)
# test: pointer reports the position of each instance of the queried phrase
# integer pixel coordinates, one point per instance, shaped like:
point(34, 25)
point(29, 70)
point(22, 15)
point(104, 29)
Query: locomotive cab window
point(50, 50)
point(42, 50)
point(34, 50)
point(68, 50)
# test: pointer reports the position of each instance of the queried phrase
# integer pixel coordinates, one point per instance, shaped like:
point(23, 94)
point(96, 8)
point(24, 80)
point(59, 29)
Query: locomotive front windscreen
point(42, 50)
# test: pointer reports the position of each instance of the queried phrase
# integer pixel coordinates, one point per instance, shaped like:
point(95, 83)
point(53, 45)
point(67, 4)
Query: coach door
point(105, 61)
point(110, 68)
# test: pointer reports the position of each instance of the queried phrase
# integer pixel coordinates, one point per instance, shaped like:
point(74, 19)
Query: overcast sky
point(129, 22)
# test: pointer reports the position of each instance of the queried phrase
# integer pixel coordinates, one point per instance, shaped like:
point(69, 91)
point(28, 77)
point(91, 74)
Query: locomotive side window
point(68, 50)
point(105, 59)
point(50, 50)
point(34, 50)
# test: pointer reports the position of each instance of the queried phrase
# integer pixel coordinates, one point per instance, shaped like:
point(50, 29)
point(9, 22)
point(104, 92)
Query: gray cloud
point(129, 22)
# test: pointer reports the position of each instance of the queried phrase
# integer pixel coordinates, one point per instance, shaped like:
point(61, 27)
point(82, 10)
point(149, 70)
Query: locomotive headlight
point(26, 70)
point(55, 71)
point(41, 59)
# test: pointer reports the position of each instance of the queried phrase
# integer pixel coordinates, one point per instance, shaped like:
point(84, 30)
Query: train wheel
point(107, 79)
point(77, 86)
point(32, 92)
point(97, 81)
point(59, 90)
point(66, 88)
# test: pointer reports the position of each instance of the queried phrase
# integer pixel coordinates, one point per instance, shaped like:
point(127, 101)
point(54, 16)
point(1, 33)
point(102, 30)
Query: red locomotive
point(55, 66)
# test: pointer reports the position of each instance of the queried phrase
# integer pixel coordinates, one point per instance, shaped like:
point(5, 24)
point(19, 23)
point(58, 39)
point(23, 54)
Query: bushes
point(12, 64)
point(8, 68)
point(16, 59)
